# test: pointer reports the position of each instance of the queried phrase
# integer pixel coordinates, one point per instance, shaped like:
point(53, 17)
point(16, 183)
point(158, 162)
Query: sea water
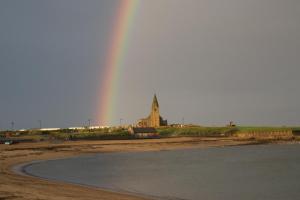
point(259, 172)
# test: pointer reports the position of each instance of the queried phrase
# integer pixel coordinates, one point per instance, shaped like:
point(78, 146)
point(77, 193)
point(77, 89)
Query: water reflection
point(246, 172)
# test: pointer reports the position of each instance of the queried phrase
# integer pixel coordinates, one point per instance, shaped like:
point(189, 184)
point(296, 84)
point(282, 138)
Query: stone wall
point(264, 134)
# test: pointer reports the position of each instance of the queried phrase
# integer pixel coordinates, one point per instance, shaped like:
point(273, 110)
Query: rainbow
point(115, 59)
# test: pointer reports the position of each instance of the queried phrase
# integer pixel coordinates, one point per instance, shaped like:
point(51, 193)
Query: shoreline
point(21, 170)
point(20, 185)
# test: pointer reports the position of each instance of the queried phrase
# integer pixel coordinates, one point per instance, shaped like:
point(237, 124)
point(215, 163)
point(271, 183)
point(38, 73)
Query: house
point(144, 132)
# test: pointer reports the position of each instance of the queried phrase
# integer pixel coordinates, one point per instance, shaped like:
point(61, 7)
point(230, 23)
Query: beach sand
point(14, 185)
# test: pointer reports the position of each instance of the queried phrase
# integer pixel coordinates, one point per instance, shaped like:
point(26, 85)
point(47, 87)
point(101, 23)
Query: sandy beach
point(19, 186)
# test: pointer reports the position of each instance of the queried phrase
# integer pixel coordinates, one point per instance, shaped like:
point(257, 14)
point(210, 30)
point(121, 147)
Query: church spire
point(155, 102)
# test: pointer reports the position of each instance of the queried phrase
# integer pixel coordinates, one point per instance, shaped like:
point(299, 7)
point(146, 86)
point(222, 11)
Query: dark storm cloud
point(50, 59)
point(210, 61)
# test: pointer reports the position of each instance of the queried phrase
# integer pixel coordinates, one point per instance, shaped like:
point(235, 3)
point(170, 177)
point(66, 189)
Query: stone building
point(143, 132)
point(154, 119)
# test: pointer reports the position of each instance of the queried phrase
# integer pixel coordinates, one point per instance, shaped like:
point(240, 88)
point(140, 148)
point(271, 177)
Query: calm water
point(230, 173)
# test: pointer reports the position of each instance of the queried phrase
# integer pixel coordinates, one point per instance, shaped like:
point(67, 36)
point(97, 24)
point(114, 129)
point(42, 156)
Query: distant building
point(49, 129)
point(176, 125)
point(231, 124)
point(88, 127)
point(76, 128)
point(98, 127)
point(154, 119)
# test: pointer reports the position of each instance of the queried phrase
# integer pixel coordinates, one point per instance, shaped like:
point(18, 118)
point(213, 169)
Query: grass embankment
point(67, 134)
point(197, 131)
point(220, 131)
point(120, 133)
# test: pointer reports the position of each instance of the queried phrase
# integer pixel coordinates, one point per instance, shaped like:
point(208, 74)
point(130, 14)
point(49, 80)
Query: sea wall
point(265, 134)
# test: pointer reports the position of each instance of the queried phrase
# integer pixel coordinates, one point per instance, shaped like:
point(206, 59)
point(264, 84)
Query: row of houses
point(70, 128)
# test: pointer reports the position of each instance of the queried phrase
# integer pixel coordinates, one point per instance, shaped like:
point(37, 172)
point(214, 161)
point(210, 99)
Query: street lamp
point(12, 125)
point(40, 123)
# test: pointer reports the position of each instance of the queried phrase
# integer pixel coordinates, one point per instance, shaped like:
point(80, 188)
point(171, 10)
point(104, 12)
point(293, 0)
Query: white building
point(49, 129)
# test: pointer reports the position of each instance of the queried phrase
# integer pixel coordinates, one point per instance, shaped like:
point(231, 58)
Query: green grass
point(102, 136)
point(92, 135)
point(197, 131)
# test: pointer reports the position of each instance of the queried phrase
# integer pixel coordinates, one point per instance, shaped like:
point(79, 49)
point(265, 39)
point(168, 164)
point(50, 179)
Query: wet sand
point(15, 186)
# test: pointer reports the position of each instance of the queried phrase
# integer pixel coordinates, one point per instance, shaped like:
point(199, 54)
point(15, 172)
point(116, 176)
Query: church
point(154, 119)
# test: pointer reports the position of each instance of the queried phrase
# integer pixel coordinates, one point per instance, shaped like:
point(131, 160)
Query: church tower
point(154, 119)
point(155, 116)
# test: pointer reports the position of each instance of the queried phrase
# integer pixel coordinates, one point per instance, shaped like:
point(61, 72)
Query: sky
point(208, 61)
